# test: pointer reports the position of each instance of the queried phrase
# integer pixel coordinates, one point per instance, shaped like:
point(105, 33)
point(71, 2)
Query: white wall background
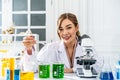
point(98, 18)
point(103, 24)
point(57, 7)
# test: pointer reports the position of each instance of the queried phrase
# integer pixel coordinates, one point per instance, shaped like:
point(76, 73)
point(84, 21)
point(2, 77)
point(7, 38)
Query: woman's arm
point(29, 42)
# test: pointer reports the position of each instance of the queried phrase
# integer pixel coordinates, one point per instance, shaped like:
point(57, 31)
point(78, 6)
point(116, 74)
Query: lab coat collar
point(63, 56)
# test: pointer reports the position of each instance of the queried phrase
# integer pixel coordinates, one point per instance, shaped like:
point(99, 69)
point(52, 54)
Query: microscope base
point(81, 73)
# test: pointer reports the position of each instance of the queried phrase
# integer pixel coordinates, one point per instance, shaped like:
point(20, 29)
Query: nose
point(65, 32)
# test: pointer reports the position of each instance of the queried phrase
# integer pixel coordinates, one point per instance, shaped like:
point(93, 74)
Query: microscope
point(86, 61)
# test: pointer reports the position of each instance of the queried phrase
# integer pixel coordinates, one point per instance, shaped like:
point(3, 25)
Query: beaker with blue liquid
point(106, 73)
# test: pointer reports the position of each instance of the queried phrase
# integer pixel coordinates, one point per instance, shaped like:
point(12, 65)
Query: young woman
point(65, 50)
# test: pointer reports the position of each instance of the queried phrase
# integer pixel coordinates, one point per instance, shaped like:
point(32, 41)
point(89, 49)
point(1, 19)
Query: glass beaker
point(106, 73)
point(44, 71)
point(58, 70)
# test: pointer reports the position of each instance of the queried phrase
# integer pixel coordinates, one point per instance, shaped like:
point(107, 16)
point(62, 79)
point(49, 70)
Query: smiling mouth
point(66, 37)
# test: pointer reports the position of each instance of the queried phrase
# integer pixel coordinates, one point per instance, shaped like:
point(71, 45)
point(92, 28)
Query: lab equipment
point(17, 74)
point(13, 74)
point(106, 73)
point(10, 70)
point(118, 71)
point(58, 70)
point(27, 75)
point(7, 74)
point(28, 66)
point(44, 71)
point(87, 60)
point(4, 66)
point(86, 70)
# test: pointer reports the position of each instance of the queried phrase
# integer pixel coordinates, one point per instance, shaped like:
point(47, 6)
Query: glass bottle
point(106, 73)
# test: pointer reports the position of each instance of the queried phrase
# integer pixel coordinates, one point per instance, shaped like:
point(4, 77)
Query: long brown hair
point(69, 16)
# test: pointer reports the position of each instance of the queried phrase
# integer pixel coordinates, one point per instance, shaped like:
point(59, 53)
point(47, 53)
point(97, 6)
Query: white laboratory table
point(67, 76)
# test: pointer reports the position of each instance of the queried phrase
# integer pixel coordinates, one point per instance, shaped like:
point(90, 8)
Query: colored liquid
point(58, 70)
point(44, 71)
point(13, 74)
point(4, 65)
point(17, 74)
point(118, 73)
point(27, 76)
point(8, 75)
point(106, 76)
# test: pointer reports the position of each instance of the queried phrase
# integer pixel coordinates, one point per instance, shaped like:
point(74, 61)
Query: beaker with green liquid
point(44, 71)
point(58, 70)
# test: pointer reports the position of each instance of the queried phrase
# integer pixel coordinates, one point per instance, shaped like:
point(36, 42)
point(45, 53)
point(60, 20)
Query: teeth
point(66, 37)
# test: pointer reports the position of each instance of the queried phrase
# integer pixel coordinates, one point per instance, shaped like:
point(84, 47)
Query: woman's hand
point(28, 42)
point(68, 70)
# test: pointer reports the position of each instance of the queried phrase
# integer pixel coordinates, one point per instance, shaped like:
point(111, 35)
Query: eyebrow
point(66, 25)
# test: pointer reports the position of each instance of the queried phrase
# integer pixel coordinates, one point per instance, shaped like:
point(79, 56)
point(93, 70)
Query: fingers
point(28, 38)
point(29, 41)
point(68, 70)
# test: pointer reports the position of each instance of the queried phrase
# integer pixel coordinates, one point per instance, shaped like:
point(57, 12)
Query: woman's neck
point(70, 50)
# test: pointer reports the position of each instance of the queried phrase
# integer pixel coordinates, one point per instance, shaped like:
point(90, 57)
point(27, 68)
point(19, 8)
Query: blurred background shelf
point(13, 42)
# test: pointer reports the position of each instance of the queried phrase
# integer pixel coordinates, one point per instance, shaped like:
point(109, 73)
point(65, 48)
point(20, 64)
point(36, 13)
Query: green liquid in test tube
point(44, 71)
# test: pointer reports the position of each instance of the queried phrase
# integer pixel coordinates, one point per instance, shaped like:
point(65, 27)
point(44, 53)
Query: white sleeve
point(47, 54)
point(43, 54)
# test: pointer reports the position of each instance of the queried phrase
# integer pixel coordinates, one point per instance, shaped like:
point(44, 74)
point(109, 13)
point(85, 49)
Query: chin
point(67, 41)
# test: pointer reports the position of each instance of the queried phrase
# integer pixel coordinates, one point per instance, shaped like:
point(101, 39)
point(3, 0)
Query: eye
point(69, 27)
point(60, 29)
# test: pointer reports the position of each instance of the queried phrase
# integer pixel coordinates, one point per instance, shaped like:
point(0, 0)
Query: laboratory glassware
point(106, 72)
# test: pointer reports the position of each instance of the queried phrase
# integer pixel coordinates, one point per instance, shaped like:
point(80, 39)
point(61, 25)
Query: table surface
point(67, 76)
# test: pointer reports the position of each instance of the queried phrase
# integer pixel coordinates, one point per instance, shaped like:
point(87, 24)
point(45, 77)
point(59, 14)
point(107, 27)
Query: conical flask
point(106, 73)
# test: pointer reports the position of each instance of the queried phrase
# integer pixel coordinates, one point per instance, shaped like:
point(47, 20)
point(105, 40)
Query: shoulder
point(53, 45)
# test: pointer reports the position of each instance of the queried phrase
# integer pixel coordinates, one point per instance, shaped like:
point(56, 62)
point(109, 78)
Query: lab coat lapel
point(62, 55)
point(78, 53)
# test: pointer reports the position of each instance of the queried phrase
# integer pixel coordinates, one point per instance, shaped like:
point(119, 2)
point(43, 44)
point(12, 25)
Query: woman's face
point(67, 31)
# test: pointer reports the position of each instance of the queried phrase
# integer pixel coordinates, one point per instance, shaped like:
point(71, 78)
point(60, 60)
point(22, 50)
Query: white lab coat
point(55, 52)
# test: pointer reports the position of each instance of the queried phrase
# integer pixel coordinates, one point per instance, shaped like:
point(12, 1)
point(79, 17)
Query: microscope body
point(86, 70)
point(85, 62)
